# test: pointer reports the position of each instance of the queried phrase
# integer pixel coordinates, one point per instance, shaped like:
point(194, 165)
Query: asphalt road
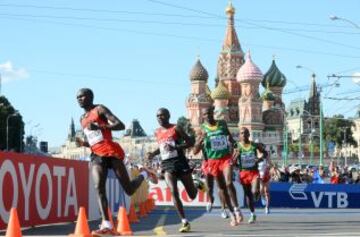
point(280, 222)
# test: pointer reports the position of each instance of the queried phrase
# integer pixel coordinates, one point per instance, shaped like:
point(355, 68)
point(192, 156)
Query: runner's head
point(208, 114)
point(244, 134)
point(163, 116)
point(85, 97)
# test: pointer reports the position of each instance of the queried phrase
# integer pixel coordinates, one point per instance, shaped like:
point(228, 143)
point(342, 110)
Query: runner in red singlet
point(97, 123)
point(172, 141)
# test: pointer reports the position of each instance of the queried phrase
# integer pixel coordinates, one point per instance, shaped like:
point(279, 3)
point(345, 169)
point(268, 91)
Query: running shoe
point(185, 227)
point(239, 216)
point(200, 185)
point(105, 232)
point(233, 221)
point(267, 210)
point(209, 207)
point(224, 214)
point(252, 219)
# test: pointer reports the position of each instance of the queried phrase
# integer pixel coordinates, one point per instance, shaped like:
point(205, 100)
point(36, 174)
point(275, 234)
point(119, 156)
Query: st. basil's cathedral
point(236, 96)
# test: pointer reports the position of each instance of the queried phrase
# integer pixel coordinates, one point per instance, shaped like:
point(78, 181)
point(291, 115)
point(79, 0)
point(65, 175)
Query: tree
point(15, 126)
point(338, 130)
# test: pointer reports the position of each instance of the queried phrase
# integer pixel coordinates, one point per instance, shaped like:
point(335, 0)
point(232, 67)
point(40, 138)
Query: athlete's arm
point(151, 155)
point(261, 152)
point(113, 122)
point(230, 137)
point(188, 141)
point(199, 144)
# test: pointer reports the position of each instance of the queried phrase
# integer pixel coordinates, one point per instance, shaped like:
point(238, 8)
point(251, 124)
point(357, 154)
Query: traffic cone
point(82, 228)
point(132, 215)
point(13, 228)
point(111, 219)
point(123, 226)
point(142, 211)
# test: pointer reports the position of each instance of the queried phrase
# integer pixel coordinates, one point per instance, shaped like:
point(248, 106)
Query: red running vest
point(100, 140)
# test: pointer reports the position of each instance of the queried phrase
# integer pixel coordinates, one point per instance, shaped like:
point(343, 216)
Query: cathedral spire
point(71, 135)
point(231, 42)
point(313, 88)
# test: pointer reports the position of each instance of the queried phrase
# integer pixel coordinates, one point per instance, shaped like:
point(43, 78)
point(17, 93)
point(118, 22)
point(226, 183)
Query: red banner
point(44, 190)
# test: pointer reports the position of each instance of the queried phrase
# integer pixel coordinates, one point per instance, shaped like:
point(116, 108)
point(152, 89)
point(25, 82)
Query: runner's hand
point(93, 126)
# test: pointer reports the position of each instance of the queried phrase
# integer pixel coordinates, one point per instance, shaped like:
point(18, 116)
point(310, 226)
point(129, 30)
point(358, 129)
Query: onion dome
point(220, 92)
point(198, 72)
point(274, 77)
point(249, 71)
point(267, 95)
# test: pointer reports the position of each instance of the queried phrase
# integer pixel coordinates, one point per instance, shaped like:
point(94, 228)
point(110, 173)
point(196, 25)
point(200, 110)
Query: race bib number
point(93, 136)
point(247, 160)
point(165, 153)
point(218, 143)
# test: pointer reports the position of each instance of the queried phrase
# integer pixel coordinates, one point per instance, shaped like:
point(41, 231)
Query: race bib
point(247, 160)
point(218, 143)
point(93, 136)
point(165, 153)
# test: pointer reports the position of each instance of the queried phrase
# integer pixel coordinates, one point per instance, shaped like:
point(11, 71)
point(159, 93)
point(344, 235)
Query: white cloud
point(9, 73)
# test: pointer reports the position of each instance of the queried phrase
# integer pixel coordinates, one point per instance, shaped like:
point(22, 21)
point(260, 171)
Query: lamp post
point(7, 127)
point(336, 18)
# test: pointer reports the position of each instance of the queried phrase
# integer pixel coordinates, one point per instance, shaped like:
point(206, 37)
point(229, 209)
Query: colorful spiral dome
point(220, 92)
point(198, 72)
point(249, 71)
point(274, 77)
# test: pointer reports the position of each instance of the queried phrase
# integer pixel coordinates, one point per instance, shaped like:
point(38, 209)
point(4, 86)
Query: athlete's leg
point(209, 179)
point(228, 174)
point(188, 183)
point(220, 180)
point(255, 188)
point(171, 181)
point(122, 175)
point(99, 173)
point(249, 196)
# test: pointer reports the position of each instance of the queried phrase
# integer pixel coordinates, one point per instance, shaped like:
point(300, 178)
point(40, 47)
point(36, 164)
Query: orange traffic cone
point(132, 215)
point(82, 228)
point(123, 226)
point(142, 212)
point(13, 228)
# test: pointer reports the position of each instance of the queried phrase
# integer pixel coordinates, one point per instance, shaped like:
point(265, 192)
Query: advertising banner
point(44, 190)
point(315, 195)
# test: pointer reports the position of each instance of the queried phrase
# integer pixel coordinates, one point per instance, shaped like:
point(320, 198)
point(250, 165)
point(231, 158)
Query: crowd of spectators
point(333, 174)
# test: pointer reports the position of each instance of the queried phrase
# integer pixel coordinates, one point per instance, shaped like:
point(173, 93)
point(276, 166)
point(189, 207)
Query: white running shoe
point(224, 214)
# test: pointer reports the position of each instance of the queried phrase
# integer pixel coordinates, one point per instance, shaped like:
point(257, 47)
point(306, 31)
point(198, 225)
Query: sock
point(184, 221)
point(144, 174)
point(236, 209)
point(252, 213)
point(106, 224)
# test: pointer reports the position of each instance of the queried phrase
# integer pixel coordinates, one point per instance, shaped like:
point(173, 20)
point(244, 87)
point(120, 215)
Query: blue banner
point(315, 195)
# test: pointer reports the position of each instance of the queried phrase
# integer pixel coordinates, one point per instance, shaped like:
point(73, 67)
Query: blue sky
point(136, 55)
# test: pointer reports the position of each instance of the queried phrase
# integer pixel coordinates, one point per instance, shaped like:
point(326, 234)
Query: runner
point(172, 141)
point(247, 156)
point(97, 123)
point(209, 179)
point(216, 140)
point(264, 176)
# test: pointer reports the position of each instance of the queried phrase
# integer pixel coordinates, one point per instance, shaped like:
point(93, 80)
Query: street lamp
point(16, 113)
point(336, 18)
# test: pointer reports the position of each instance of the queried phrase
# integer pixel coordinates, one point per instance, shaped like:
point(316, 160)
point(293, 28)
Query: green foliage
point(294, 147)
point(15, 125)
point(334, 130)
